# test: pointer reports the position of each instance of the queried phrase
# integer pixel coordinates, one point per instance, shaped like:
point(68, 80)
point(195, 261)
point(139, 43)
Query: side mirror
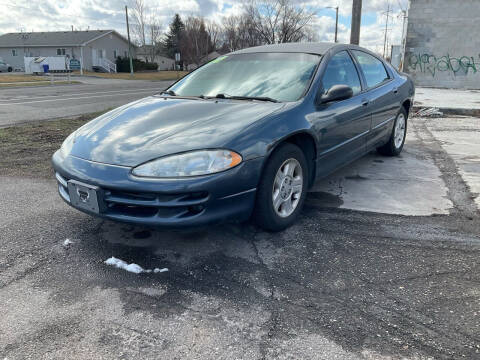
point(336, 93)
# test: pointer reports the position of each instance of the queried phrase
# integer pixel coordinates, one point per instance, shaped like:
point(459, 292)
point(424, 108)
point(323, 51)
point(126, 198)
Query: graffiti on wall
point(430, 64)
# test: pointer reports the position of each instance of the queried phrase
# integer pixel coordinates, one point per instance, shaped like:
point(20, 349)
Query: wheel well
point(307, 144)
point(407, 104)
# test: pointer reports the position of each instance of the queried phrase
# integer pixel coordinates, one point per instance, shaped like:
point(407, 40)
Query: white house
point(95, 49)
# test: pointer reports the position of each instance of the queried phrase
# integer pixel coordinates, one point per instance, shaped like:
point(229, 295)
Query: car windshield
point(278, 76)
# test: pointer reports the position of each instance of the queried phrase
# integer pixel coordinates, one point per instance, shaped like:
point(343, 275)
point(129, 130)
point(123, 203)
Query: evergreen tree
point(172, 41)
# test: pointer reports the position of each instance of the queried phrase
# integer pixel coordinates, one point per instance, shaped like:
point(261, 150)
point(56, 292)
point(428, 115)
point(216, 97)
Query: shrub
point(123, 65)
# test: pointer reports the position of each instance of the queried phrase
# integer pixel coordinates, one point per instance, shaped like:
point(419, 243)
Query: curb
point(453, 111)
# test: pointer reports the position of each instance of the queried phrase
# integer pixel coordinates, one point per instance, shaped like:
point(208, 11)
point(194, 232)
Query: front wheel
point(282, 189)
point(395, 143)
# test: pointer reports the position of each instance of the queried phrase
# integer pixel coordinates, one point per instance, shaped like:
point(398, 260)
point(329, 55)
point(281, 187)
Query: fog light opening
point(196, 209)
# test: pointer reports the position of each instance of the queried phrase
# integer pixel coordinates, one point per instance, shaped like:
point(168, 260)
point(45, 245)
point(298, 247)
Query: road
point(383, 264)
point(18, 105)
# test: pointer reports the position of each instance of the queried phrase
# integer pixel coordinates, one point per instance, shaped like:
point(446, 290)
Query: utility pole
point(129, 43)
point(386, 31)
point(404, 38)
point(356, 21)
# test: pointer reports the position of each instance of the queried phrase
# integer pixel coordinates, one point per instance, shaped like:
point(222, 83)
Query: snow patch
point(133, 268)
point(67, 242)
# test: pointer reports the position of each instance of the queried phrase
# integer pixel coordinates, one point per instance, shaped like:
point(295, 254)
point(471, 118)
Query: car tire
point(10, 69)
point(396, 141)
point(282, 189)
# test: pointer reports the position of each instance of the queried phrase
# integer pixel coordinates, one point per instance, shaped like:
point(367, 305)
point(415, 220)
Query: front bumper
point(196, 201)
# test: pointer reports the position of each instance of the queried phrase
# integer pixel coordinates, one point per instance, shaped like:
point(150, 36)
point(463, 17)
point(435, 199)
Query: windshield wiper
point(169, 92)
point(173, 93)
point(260, 98)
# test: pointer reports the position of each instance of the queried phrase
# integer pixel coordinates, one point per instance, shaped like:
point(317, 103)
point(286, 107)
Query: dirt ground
point(153, 76)
point(26, 150)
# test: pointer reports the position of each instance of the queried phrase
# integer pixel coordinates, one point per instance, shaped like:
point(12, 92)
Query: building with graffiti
point(442, 47)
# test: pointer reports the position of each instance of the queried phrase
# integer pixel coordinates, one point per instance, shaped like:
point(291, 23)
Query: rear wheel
point(395, 143)
point(282, 189)
point(10, 69)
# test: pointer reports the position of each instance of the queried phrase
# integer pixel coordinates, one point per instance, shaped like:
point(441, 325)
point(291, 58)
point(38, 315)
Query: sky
point(61, 15)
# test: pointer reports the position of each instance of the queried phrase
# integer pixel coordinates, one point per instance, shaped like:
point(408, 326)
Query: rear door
point(341, 126)
point(381, 94)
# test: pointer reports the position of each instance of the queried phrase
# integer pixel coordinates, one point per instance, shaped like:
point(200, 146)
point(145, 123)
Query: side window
point(372, 68)
point(341, 71)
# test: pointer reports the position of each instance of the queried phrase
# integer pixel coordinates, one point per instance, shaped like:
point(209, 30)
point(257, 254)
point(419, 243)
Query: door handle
point(365, 102)
point(395, 90)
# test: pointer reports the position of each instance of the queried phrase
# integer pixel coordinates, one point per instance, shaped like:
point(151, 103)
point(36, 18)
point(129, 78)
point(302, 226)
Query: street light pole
point(336, 21)
point(336, 25)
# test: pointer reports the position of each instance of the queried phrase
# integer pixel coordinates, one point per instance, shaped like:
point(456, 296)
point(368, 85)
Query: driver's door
point(341, 126)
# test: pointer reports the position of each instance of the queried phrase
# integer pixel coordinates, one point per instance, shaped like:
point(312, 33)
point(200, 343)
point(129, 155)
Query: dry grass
point(20, 78)
point(26, 150)
point(152, 76)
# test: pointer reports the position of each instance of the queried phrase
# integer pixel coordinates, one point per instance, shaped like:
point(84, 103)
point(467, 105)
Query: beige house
point(148, 54)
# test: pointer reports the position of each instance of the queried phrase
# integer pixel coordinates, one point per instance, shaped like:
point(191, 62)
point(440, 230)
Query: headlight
point(192, 163)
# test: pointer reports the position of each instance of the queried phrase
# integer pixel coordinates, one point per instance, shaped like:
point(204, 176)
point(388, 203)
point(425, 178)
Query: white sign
point(177, 57)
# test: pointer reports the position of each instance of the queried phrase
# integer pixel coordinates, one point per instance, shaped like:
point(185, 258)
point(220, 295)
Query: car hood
point(158, 126)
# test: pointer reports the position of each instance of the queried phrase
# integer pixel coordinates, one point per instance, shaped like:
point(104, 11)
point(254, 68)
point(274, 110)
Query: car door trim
point(383, 123)
point(343, 143)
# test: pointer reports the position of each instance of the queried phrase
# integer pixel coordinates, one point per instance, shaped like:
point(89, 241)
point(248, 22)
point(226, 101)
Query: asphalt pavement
point(384, 263)
point(23, 104)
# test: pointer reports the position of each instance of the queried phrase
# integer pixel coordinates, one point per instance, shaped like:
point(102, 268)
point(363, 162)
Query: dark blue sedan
point(243, 136)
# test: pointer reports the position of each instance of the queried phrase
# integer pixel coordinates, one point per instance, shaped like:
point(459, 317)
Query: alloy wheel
point(287, 188)
point(399, 133)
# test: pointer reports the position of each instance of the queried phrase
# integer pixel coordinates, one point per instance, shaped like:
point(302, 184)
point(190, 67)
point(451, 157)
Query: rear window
point(372, 68)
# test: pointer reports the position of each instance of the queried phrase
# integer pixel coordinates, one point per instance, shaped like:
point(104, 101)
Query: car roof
point(319, 48)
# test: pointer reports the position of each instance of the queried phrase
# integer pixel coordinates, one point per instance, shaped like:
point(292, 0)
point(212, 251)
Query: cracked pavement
point(383, 264)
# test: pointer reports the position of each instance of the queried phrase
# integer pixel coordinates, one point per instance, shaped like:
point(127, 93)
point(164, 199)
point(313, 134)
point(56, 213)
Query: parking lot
point(23, 104)
point(383, 264)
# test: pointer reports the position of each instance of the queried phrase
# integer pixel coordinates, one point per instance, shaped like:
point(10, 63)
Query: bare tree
point(139, 22)
point(155, 32)
point(213, 31)
point(279, 21)
point(196, 43)
point(239, 32)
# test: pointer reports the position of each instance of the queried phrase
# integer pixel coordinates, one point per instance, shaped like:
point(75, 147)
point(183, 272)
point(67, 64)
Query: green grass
point(26, 150)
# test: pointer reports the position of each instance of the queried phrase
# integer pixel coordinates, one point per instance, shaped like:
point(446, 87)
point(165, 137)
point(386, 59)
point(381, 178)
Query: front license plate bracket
point(84, 196)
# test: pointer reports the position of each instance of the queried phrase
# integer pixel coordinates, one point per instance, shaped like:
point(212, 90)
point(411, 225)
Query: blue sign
point(74, 64)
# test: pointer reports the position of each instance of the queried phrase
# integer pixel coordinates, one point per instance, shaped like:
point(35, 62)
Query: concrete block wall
point(443, 44)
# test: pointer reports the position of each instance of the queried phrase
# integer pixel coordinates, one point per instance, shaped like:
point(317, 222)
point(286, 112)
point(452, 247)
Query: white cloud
point(50, 15)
